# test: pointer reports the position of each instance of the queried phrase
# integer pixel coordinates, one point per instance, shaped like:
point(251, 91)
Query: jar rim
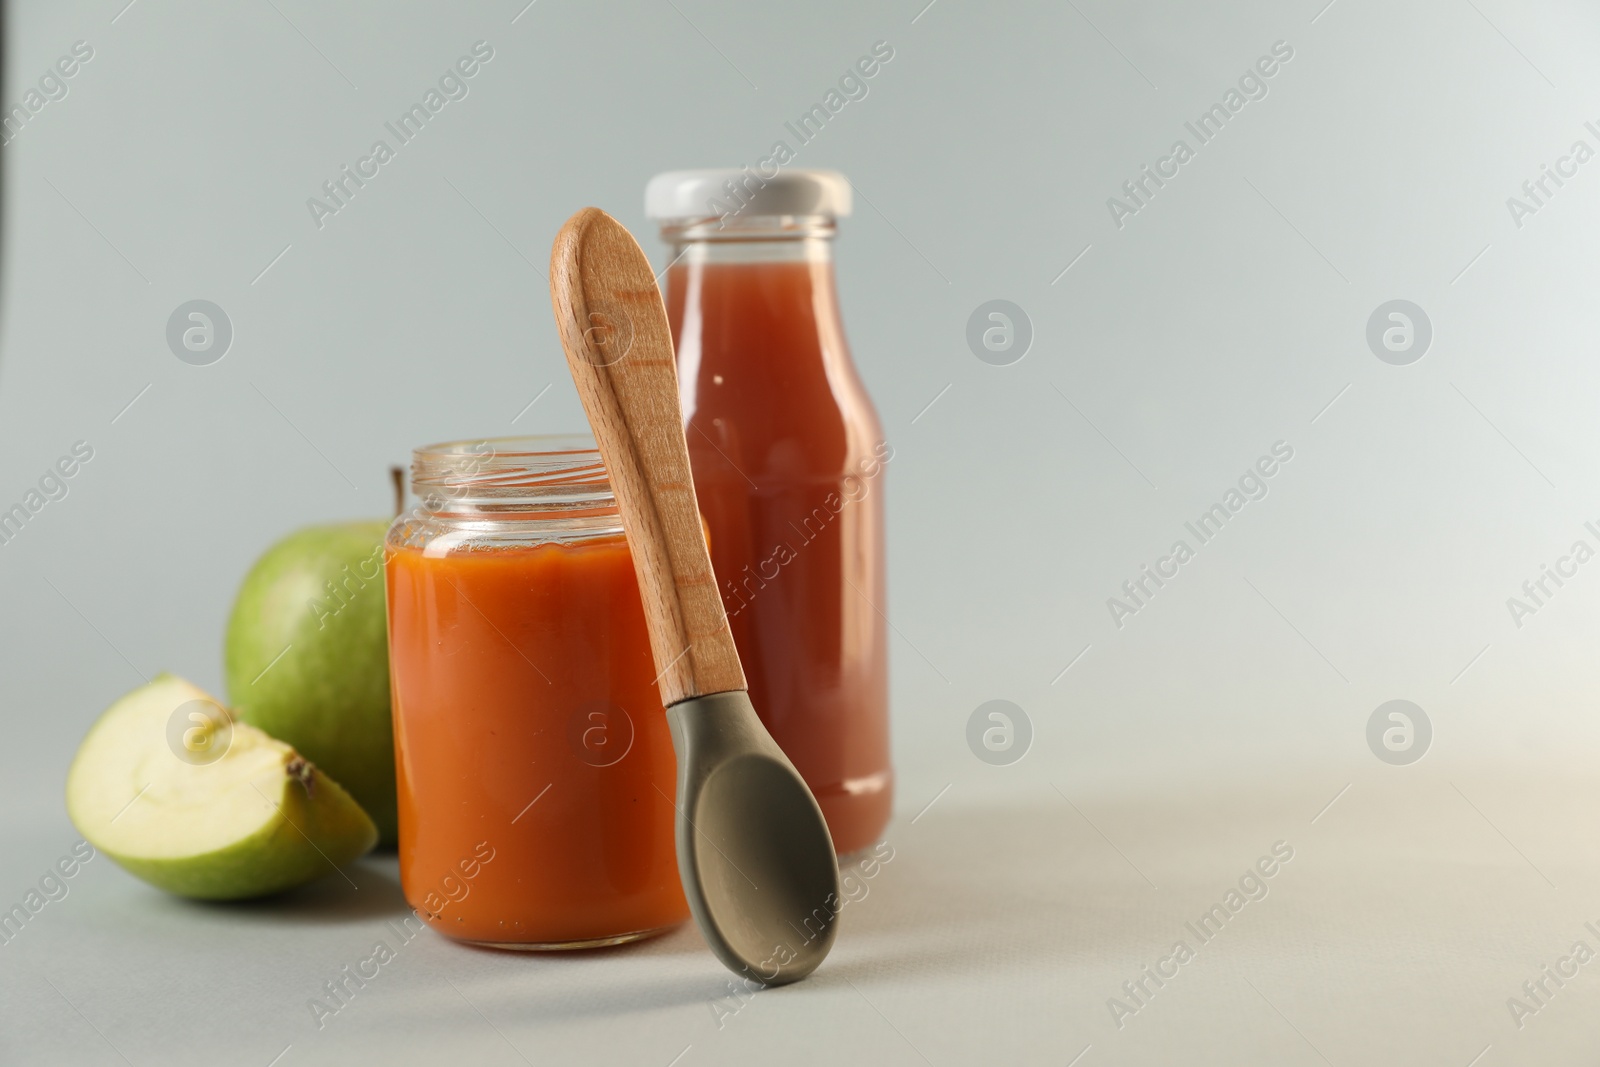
point(548, 444)
point(562, 471)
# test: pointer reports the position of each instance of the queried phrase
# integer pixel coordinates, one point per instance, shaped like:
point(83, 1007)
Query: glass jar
point(534, 766)
point(788, 460)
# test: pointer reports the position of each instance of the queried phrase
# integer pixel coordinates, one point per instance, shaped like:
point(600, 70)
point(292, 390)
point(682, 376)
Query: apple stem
point(398, 476)
point(299, 769)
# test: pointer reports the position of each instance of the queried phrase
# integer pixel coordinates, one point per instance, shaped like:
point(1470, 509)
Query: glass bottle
point(788, 459)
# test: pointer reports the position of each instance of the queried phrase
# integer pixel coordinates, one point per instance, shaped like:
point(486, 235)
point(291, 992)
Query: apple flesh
point(249, 818)
point(307, 658)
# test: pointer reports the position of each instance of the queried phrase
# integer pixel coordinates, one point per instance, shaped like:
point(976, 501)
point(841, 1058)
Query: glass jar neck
point(734, 238)
point(551, 487)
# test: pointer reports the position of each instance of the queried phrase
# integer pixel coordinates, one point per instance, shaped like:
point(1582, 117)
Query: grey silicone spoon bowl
point(754, 854)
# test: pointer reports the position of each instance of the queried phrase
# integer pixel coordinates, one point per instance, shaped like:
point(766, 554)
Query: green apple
point(171, 787)
point(307, 657)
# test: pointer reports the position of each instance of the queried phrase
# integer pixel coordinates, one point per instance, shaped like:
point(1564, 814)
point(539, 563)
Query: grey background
point(1225, 316)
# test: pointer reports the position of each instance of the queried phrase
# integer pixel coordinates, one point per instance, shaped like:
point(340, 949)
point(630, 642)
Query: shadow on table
point(968, 892)
point(989, 889)
point(365, 889)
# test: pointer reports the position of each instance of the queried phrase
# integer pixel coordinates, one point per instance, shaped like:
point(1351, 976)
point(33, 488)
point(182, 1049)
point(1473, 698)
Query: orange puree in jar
point(535, 768)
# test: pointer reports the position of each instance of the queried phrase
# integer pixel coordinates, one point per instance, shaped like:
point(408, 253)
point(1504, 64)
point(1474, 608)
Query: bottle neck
point(754, 239)
point(711, 253)
point(756, 324)
point(773, 297)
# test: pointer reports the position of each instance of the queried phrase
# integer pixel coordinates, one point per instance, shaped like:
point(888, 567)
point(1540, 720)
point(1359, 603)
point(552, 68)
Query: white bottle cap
point(700, 194)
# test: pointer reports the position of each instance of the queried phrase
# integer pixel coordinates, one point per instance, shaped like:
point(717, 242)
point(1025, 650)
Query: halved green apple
point(173, 788)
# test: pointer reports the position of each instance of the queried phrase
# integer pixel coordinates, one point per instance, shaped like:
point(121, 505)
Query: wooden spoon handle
point(619, 349)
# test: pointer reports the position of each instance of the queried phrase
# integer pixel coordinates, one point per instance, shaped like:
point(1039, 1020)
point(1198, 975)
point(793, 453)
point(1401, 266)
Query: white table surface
point(1413, 908)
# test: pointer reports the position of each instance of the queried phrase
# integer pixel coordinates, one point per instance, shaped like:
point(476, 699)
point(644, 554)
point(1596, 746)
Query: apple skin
point(328, 696)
